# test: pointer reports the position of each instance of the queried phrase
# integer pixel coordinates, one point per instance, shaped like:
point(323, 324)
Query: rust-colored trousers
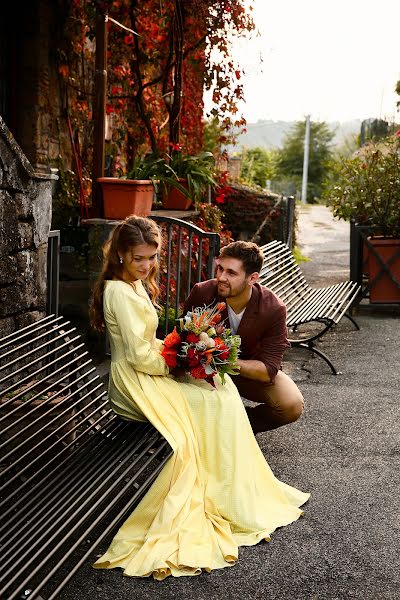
point(279, 403)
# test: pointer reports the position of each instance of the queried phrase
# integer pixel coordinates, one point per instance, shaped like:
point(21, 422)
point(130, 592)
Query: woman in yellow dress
point(217, 492)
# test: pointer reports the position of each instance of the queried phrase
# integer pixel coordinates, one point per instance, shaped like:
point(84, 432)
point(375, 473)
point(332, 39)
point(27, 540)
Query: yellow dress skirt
point(217, 492)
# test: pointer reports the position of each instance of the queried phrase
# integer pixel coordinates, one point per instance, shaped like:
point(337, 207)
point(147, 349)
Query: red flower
point(128, 39)
point(224, 355)
point(120, 71)
point(172, 339)
point(175, 147)
point(216, 319)
point(198, 372)
point(192, 338)
point(63, 70)
point(192, 357)
point(169, 355)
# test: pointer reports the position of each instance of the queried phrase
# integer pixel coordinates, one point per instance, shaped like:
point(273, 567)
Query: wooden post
point(99, 113)
point(176, 107)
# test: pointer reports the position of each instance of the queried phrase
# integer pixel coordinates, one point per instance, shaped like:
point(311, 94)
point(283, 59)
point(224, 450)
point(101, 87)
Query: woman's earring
point(120, 260)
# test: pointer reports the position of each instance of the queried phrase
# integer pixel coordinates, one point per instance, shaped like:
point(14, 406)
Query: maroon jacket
point(263, 326)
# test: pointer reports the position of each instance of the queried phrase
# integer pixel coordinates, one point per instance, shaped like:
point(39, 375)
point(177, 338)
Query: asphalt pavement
point(344, 450)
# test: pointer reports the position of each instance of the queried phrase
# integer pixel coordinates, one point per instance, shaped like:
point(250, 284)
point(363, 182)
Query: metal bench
point(324, 306)
point(70, 469)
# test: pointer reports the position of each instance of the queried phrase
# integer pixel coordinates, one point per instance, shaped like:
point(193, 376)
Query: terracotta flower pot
point(384, 290)
point(174, 199)
point(124, 197)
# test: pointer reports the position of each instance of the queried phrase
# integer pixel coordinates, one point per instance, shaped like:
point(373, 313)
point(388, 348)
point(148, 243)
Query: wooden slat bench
point(305, 304)
point(70, 469)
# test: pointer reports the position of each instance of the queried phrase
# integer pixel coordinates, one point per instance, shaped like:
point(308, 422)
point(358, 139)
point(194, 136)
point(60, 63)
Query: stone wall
point(25, 218)
point(34, 109)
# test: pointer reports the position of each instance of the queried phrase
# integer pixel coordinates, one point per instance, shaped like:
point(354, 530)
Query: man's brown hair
point(249, 253)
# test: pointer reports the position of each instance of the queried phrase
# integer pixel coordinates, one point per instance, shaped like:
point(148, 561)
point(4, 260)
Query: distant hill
point(271, 134)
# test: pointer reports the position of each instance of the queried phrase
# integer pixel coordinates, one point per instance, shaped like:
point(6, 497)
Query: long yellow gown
point(216, 492)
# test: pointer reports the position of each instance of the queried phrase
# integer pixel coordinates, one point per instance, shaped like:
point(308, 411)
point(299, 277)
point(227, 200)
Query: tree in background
point(258, 166)
point(347, 147)
point(289, 163)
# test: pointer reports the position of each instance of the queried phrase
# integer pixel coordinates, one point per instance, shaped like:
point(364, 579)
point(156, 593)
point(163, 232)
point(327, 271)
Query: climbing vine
point(161, 55)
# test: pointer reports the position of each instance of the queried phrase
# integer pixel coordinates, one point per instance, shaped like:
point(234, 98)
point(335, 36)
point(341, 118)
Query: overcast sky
point(333, 59)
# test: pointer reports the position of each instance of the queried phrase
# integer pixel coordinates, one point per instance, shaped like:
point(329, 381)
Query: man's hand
point(177, 372)
point(253, 369)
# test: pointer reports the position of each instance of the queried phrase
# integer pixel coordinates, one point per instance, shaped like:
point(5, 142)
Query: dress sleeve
point(131, 315)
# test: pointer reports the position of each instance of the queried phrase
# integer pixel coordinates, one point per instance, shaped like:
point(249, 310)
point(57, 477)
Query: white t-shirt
point(234, 318)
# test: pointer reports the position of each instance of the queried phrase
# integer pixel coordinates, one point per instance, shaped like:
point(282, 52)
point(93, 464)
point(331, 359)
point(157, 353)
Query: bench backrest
point(50, 394)
point(281, 274)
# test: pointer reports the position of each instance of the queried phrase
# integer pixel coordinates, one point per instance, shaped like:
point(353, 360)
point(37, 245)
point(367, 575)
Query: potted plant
point(133, 193)
point(366, 188)
point(188, 178)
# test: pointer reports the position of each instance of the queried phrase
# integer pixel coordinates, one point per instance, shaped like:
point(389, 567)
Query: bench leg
point(356, 325)
point(319, 352)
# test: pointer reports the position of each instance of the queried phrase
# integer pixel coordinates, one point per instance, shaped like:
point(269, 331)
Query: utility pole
point(99, 112)
point(305, 161)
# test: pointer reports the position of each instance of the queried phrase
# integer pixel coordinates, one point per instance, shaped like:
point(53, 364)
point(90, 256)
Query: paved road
point(325, 241)
point(345, 450)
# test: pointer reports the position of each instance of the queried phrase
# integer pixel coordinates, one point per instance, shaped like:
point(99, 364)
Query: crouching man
point(256, 314)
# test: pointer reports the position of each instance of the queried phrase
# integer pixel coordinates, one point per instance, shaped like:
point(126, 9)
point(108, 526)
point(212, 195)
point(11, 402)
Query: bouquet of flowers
point(203, 347)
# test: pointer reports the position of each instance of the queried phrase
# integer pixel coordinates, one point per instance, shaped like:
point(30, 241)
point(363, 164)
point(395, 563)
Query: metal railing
point(53, 272)
point(284, 230)
point(187, 257)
